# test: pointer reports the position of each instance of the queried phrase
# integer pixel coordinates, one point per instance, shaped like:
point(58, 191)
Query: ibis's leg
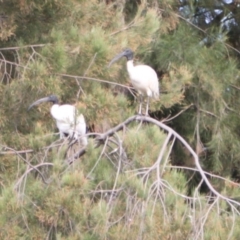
point(61, 135)
point(147, 106)
point(84, 140)
point(140, 105)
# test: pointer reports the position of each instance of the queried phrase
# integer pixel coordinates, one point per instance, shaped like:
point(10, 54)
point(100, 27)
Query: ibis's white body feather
point(69, 121)
point(144, 79)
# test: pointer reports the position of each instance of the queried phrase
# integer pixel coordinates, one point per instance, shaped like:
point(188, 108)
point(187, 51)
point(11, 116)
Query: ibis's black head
point(128, 53)
point(51, 98)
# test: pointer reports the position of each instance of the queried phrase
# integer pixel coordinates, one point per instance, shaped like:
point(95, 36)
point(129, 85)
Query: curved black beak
point(41, 100)
point(117, 57)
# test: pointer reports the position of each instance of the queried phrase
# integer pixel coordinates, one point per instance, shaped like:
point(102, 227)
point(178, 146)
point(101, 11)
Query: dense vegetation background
point(140, 180)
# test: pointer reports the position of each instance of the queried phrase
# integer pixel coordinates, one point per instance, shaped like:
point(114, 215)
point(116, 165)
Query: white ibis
point(67, 119)
point(143, 78)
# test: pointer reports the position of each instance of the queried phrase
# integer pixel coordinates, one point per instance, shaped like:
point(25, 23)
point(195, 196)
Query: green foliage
point(121, 189)
point(140, 142)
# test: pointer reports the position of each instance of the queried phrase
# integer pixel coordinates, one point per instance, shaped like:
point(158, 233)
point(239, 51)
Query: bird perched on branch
point(143, 78)
point(67, 119)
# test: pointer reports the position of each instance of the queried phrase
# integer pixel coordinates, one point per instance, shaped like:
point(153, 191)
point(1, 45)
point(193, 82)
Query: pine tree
point(125, 184)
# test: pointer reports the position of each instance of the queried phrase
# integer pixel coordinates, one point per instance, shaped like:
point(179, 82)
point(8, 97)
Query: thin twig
point(28, 163)
point(200, 29)
point(26, 46)
point(99, 80)
point(209, 113)
point(207, 173)
point(179, 113)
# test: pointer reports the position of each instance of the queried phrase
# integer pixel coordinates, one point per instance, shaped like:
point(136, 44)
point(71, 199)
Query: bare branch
point(102, 138)
point(207, 173)
point(200, 29)
point(29, 170)
point(28, 163)
point(26, 46)
point(179, 113)
point(209, 113)
point(130, 89)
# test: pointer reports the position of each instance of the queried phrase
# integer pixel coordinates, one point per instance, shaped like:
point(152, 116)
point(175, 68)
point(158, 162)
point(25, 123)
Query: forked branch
point(102, 138)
